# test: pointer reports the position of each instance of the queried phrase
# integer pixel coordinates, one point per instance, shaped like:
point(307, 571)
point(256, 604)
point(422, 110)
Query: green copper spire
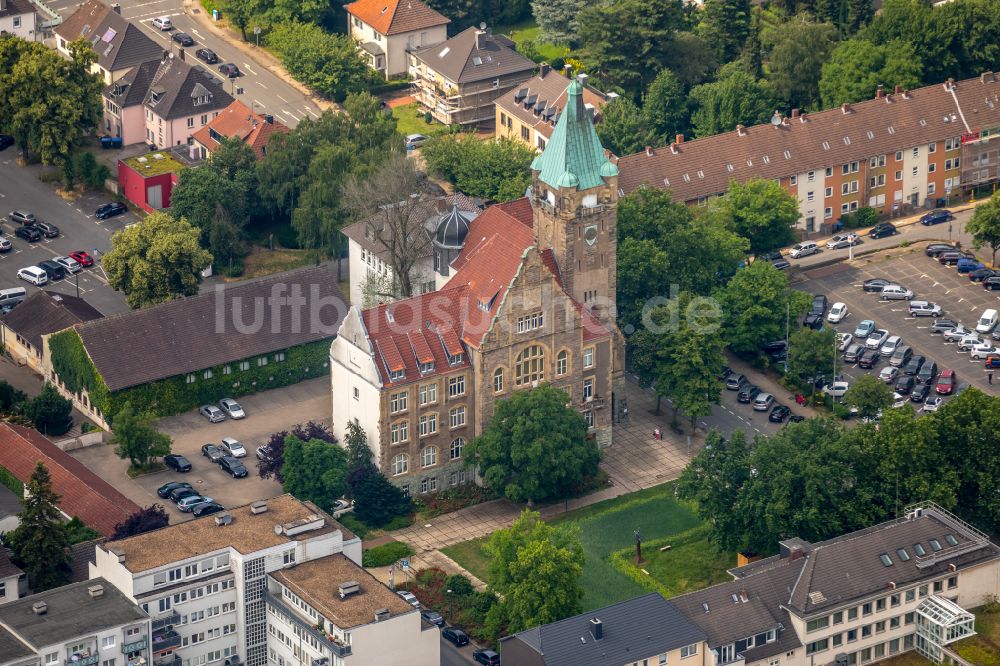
point(574, 156)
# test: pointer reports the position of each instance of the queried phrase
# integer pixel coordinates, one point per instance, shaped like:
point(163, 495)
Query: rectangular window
point(909, 618)
point(818, 646)
point(457, 417)
point(793, 180)
point(852, 635)
point(244, 365)
point(829, 192)
point(931, 188)
point(899, 175)
point(288, 557)
point(280, 356)
point(399, 432)
point(428, 425)
point(107, 642)
point(894, 600)
point(525, 133)
point(923, 591)
point(899, 155)
point(529, 322)
point(810, 196)
point(588, 357)
point(397, 402)
point(838, 617)
point(894, 622)
point(938, 586)
point(880, 627)
point(817, 624)
point(689, 650)
point(866, 631)
point(953, 582)
point(915, 171)
point(932, 167)
point(829, 172)
point(190, 123)
point(827, 213)
point(262, 361)
point(811, 176)
point(588, 390)
point(880, 604)
point(456, 386)
point(838, 640)
point(428, 394)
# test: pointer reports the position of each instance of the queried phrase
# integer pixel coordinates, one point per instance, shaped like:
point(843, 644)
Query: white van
point(804, 250)
point(987, 322)
point(11, 297)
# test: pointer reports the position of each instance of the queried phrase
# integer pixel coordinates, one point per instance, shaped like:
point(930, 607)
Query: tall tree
point(796, 64)
point(40, 542)
point(811, 354)
point(868, 395)
point(314, 470)
point(240, 13)
point(376, 500)
point(535, 447)
point(761, 211)
point(496, 170)
point(156, 260)
point(200, 192)
point(136, 438)
point(985, 226)
point(757, 305)
point(326, 62)
point(857, 67)
point(558, 18)
point(621, 129)
point(736, 98)
point(147, 519)
point(691, 58)
point(535, 571)
point(664, 108)
point(726, 25)
point(49, 412)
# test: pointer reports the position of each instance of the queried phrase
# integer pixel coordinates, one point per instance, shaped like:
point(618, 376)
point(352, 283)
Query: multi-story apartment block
point(331, 611)
point(529, 113)
point(386, 30)
point(457, 81)
point(17, 17)
point(204, 582)
point(83, 624)
point(853, 600)
point(897, 152)
point(528, 298)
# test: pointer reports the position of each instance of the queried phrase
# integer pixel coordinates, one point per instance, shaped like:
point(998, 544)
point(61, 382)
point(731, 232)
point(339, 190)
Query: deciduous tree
point(736, 98)
point(152, 517)
point(868, 395)
point(622, 130)
point(800, 49)
point(40, 542)
point(496, 170)
point(314, 470)
point(811, 355)
point(49, 412)
point(726, 25)
point(664, 108)
point(985, 226)
point(857, 67)
point(326, 62)
point(757, 303)
point(761, 211)
point(136, 438)
point(558, 18)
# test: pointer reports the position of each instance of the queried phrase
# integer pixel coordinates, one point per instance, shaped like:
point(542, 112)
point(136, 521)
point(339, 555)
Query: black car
point(6, 141)
point(853, 353)
point(776, 259)
point(177, 494)
point(206, 56)
point(456, 636)
point(796, 418)
point(182, 38)
point(167, 488)
point(952, 258)
point(47, 229)
point(876, 284)
point(776, 346)
point(212, 452)
point(52, 269)
point(207, 509)
point(942, 325)
point(934, 249)
point(230, 70)
point(914, 365)
point(905, 384)
point(992, 283)
point(177, 462)
point(819, 305)
point(869, 358)
point(110, 210)
point(936, 216)
point(433, 617)
point(726, 371)
point(919, 392)
point(735, 381)
point(779, 414)
point(231, 465)
point(882, 229)
point(981, 274)
point(486, 657)
point(30, 234)
point(927, 372)
point(748, 393)
point(813, 321)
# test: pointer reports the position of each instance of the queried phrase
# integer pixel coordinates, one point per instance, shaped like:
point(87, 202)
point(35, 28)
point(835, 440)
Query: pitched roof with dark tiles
point(237, 120)
point(131, 89)
point(16, 8)
point(179, 85)
point(549, 87)
point(82, 493)
point(198, 332)
point(7, 567)
point(43, 313)
point(456, 59)
point(393, 17)
point(815, 141)
point(118, 43)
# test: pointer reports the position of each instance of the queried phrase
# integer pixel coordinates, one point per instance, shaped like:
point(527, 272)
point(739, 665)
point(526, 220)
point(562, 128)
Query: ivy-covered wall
point(183, 392)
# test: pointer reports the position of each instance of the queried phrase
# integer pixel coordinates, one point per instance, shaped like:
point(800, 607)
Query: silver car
point(212, 413)
point(71, 265)
point(232, 408)
point(233, 448)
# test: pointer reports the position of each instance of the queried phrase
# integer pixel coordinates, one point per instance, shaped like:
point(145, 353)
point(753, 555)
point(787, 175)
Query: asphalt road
point(264, 91)
point(20, 188)
point(453, 656)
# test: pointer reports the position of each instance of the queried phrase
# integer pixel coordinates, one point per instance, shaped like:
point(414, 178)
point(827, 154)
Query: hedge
point(12, 482)
point(386, 554)
point(174, 394)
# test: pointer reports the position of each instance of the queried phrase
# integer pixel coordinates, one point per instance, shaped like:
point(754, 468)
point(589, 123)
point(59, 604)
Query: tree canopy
point(735, 98)
point(495, 170)
point(757, 304)
point(857, 67)
point(622, 129)
point(147, 519)
point(136, 438)
point(761, 211)
point(796, 64)
point(49, 412)
point(985, 226)
point(329, 63)
point(314, 470)
point(868, 395)
point(40, 542)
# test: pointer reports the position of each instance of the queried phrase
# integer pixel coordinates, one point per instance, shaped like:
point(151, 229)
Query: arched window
point(400, 464)
point(456, 448)
point(498, 380)
point(562, 363)
point(429, 456)
point(530, 366)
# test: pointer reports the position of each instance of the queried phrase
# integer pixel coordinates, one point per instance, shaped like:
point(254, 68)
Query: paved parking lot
point(959, 298)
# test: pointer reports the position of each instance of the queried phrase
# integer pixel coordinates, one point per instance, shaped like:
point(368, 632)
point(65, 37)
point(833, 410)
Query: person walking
point(989, 376)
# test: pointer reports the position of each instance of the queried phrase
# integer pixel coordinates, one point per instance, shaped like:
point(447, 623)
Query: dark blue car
point(968, 265)
point(936, 216)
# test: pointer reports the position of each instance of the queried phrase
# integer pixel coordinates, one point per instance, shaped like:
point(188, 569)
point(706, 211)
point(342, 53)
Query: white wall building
point(17, 17)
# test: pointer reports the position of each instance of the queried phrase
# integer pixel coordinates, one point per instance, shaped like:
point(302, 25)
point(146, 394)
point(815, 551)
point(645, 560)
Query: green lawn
point(410, 120)
point(608, 528)
point(529, 31)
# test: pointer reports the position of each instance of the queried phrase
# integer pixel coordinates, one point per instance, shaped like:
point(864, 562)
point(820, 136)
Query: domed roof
point(567, 179)
point(452, 228)
point(608, 170)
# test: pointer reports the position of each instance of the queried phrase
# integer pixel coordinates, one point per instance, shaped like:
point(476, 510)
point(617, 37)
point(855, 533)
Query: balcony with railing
point(83, 658)
point(334, 644)
point(166, 621)
point(168, 660)
point(135, 645)
point(166, 640)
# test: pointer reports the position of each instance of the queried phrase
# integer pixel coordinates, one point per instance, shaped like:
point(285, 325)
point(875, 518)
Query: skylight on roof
point(847, 140)
point(903, 555)
point(788, 155)
point(886, 560)
point(950, 538)
point(826, 145)
point(935, 544)
point(477, 61)
point(687, 178)
point(729, 168)
point(919, 549)
point(871, 134)
point(767, 160)
point(109, 35)
point(892, 130)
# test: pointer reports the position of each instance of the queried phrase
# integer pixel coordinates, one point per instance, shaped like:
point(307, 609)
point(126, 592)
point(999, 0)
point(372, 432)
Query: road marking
point(249, 68)
point(315, 115)
point(262, 85)
point(290, 114)
point(283, 99)
point(923, 275)
point(198, 35)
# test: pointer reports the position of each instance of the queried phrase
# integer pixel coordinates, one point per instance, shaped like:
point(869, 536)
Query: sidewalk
point(768, 384)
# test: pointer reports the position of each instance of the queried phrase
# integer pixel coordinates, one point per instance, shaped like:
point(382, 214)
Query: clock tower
point(574, 193)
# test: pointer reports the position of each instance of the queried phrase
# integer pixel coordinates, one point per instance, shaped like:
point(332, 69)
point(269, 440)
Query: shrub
point(459, 585)
point(386, 554)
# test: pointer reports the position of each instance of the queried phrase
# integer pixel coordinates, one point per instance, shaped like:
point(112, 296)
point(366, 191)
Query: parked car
point(82, 257)
point(992, 362)
point(415, 141)
point(47, 229)
point(734, 381)
point(53, 270)
point(966, 266)
point(905, 384)
point(69, 264)
point(803, 249)
point(455, 635)
point(190, 503)
point(162, 23)
point(30, 234)
point(952, 258)
point(913, 366)
point(206, 56)
point(946, 382)
point(987, 321)
point(943, 325)
point(264, 453)
point(177, 462)
point(895, 292)
point(898, 400)
point(779, 413)
point(207, 509)
point(748, 393)
point(853, 352)
point(981, 274)
point(875, 284)
point(876, 339)
point(932, 404)
point(869, 358)
point(864, 328)
point(818, 305)
point(969, 341)
point(984, 350)
point(33, 275)
point(991, 283)
point(901, 356)
point(844, 340)
point(936, 216)
point(409, 598)
point(432, 617)
point(919, 392)
point(177, 494)
point(934, 249)
point(882, 229)
point(6, 245)
point(233, 466)
point(955, 334)
point(230, 70)
point(927, 373)
point(888, 374)
point(22, 217)
point(813, 321)
point(776, 259)
point(212, 452)
point(891, 344)
point(112, 209)
point(231, 408)
point(837, 313)
point(183, 39)
point(842, 240)
point(763, 402)
point(486, 657)
point(836, 389)
point(6, 141)
point(924, 309)
point(212, 413)
point(233, 448)
point(167, 488)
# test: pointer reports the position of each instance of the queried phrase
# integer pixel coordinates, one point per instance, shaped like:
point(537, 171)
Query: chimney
point(116, 8)
point(674, 148)
point(269, 119)
point(951, 83)
point(544, 69)
point(382, 614)
point(678, 139)
point(582, 78)
point(481, 36)
point(880, 91)
point(95, 591)
point(795, 113)
point(568, 70)
point(951, 567)
point(906, 94)
point(597, 629)
point(258, 507)
point(741, 130)
point(180, 54)
point(39, 608)
point(892, 585)
point(649, 151)
point(744, 597)
point(845, 108)
point(985, 77)
point(896, 90)
point(802, 117)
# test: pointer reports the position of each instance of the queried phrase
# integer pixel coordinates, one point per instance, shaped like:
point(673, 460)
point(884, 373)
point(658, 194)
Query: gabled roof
point(238, 120)
point(815, 141)
point(16, 8)
point(198, 332)
point(118, 43)
point(632, 629)
point(131, 89)
point(45, 312)
point(179, 85)
point(82, 493)
point(574, 156)
point(547, 96)
point(474, 55)
point(393, 17)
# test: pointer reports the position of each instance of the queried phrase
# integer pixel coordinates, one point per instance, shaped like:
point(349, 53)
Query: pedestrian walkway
point(768, 384)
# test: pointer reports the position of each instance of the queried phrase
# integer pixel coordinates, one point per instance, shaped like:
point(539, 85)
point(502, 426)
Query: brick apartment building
point(898, 152)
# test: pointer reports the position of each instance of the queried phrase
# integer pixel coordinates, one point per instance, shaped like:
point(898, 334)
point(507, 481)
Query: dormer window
point(396, 375)
point(454, 359)
point(426, 367)
point(154, 97)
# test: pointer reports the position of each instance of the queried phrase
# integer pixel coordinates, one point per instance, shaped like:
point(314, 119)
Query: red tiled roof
point(238, 120)
point(421, 349)
point(83, 493)
point(392, 17)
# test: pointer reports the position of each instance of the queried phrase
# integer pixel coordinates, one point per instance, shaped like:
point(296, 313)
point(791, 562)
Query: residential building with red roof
point(83, 494)
point(527, 298)
point(386, 30)
point(239, 121)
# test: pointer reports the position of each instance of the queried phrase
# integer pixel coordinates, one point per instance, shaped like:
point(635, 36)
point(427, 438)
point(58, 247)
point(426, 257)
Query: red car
point(85, 259)
point(992, 362)
point(945, 383)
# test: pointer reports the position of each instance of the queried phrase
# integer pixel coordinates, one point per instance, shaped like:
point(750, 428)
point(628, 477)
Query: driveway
point(267, 412)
